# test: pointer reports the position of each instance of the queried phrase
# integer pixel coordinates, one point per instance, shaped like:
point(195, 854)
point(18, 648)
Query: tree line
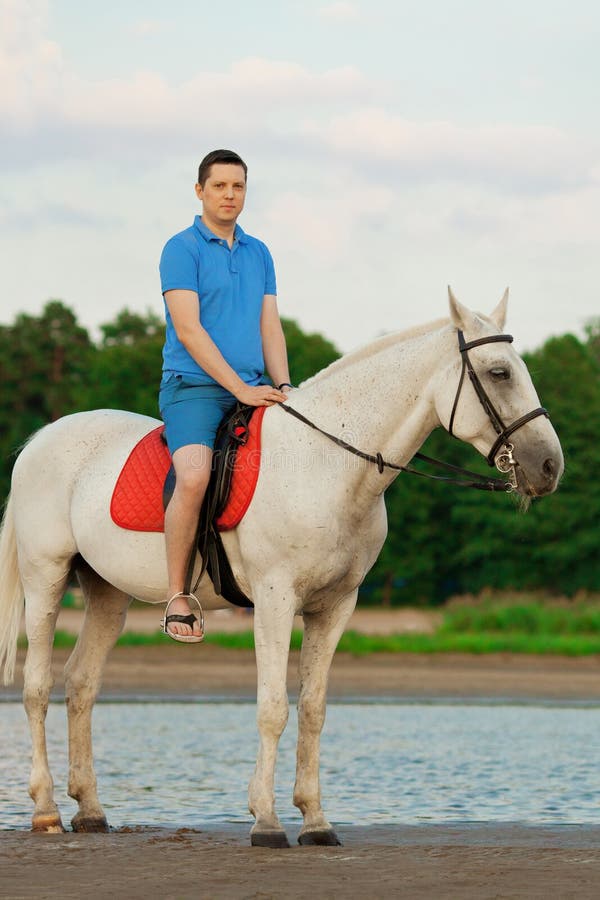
point(442, 540)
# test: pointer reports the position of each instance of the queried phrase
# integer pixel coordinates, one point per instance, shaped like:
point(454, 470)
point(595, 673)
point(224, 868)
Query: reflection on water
point(181, 764)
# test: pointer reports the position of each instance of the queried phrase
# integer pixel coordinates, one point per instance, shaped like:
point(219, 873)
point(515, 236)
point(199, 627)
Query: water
point(188, 764)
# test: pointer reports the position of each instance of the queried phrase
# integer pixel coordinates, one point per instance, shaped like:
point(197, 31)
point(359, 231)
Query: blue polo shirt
point(231, 284)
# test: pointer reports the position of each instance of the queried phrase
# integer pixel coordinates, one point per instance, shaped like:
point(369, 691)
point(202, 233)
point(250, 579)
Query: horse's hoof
point(276, 840)
point(51, 824)
point(326, 837)
point(90, 824)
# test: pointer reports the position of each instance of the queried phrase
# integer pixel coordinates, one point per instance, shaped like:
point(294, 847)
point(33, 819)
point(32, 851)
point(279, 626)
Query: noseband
point(505, 461)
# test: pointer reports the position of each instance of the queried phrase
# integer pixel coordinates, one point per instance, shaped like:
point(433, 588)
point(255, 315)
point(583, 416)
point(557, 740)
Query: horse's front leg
point(104, 619)
point(322, 632)
point(273, 619)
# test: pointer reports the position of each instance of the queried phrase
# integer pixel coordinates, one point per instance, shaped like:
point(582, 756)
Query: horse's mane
point(374, 347)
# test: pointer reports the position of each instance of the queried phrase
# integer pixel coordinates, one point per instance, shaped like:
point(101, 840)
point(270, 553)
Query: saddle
point(232, 433)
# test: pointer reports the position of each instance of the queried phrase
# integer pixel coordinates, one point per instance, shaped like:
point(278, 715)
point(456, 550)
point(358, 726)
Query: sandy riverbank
point(199, 670)
point(473, 862)
point(196, 671)
point(467, 862)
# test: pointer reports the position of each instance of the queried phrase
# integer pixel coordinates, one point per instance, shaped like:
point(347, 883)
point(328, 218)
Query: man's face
point(223, 194)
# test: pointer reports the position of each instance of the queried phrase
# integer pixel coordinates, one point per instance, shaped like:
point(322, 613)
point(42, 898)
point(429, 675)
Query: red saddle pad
point(137, 503)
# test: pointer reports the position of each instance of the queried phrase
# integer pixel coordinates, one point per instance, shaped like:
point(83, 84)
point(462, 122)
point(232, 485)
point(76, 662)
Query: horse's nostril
point(549, 467)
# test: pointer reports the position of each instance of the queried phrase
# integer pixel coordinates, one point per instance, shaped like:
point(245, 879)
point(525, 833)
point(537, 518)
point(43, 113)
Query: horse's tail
point(11, 594)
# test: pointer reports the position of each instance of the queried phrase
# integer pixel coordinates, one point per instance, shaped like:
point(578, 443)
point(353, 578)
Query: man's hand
point(260, 395)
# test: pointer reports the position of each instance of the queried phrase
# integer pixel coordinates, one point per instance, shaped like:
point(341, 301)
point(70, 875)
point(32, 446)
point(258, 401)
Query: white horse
point(313, 530)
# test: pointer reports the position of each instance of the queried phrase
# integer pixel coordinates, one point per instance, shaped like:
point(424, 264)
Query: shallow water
point(188, 764)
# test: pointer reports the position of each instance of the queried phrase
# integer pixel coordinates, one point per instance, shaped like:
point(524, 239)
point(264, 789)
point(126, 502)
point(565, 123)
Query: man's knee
point(192, 470)
point(191, 482)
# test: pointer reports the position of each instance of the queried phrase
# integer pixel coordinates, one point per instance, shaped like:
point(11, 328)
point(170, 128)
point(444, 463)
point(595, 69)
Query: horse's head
point(485, 396)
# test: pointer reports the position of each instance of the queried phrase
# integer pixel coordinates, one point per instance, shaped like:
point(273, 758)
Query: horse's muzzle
point(535, 478)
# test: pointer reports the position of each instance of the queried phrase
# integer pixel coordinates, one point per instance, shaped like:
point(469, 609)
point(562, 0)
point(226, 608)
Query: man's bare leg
point(192, 469)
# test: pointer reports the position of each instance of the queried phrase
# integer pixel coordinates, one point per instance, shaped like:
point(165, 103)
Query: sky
point(394, 147)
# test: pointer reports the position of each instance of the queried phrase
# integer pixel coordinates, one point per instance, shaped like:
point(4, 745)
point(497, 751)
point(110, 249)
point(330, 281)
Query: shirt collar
point(238, 235)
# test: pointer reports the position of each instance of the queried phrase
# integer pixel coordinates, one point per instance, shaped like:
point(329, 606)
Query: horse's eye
point(500, 373)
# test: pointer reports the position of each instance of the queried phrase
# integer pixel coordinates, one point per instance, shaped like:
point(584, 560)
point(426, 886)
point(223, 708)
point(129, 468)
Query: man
point(223, 330)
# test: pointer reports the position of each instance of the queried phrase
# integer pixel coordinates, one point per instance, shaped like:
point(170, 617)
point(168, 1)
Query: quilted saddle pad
point(137, 500)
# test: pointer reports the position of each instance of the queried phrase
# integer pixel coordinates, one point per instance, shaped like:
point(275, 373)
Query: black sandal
point(189, 619)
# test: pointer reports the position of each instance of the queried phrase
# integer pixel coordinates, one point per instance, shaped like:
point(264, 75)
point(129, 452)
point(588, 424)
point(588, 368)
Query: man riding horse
point(223, 326)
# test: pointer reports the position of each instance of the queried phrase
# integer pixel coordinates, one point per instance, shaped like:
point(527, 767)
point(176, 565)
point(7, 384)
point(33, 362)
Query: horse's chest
point(341, 553)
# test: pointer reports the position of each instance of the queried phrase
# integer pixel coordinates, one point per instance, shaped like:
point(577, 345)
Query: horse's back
point(62, 484)
point(53, 460)
point(90, 428)
point(63, 446)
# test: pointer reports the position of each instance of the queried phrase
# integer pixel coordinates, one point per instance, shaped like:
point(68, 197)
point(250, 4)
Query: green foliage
point(49, 367)
point(445, 540)
point(515, 632)
point(555, 544)
point(442, 540)
point(476, 643)
point(592, 330)
point(125, 372)
point(307, 353)
point(418, 562)
point(44, 362)
point(525, 618)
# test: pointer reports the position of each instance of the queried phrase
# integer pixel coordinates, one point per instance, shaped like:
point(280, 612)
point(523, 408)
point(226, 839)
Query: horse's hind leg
point(322, 632)
point(106, 608)
point(44, 587)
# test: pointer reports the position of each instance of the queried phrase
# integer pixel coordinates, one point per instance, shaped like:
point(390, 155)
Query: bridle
point(505, 461)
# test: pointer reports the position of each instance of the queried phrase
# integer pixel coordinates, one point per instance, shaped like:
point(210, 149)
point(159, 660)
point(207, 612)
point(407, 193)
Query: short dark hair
point(219, 156)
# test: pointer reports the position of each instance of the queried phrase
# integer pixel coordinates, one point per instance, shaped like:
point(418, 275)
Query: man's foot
point(180, 623)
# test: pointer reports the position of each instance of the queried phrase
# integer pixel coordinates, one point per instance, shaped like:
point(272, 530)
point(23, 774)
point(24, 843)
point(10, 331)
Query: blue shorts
point(191, 411)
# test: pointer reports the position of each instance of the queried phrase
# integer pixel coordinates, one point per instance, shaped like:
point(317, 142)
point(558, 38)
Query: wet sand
point(481, 860)
point(423, 862)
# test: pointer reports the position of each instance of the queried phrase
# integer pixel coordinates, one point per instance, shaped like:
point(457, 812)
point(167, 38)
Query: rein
point(483, 484)
point(505, 463)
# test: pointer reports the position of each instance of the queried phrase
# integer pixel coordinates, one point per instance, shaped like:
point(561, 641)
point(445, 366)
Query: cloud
point(339, 12)
point(324, 224)
point(148, 28)
point(30, 64)
point(18, 220)
point(44, 104)
point(279, 107)
point(42, 97)
point(536, 158)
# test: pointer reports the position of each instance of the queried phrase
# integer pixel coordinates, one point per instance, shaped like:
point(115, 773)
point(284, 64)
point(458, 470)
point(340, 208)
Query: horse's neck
point(381, 398)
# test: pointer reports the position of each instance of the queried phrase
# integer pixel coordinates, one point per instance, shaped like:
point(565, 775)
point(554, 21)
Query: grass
point(491, 623)
point(525, 618)
point(363, 644)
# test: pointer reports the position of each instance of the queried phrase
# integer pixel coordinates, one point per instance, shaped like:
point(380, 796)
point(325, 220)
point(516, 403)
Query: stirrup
point(189, 620)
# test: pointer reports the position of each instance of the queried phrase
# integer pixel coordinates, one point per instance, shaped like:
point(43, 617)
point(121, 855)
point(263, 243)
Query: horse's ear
point(459, 314)
point(498, 317)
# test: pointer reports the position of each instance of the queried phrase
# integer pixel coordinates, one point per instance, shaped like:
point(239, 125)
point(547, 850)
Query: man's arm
point(273, 341)
point(184, 308)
